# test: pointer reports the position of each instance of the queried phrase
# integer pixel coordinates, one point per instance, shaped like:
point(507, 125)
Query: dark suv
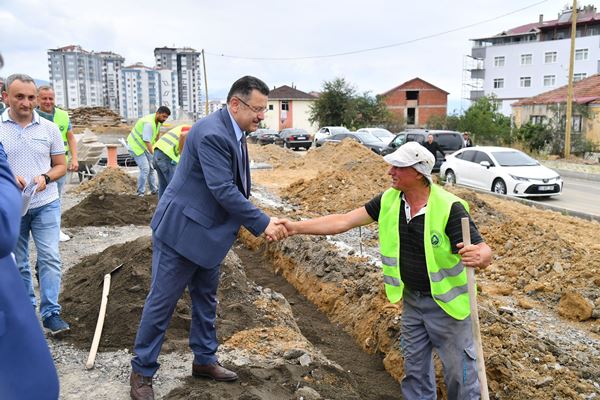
point(449, 141)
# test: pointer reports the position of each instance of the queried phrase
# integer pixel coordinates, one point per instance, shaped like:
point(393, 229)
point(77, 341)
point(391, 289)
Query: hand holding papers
point(28, 193)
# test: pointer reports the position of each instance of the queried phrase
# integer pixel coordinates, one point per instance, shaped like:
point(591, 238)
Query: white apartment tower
point(144, 89)
point(76, 76)
point(185, 64)
point(533, 58)
point(111, 65)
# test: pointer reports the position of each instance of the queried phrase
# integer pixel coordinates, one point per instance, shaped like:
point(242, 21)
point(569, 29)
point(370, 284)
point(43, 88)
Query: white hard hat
point(412, 154)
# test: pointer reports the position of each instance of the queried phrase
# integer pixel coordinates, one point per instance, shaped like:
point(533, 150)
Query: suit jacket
point(202, 209)
point(23, 348)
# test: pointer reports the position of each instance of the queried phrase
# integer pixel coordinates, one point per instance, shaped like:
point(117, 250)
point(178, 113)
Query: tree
point(485, 123)
point(367, 110)
point(335, 104)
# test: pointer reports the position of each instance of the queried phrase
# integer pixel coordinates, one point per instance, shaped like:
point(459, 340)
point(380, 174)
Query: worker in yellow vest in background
point(167, 151)
point(140, 143)
point(47, 103)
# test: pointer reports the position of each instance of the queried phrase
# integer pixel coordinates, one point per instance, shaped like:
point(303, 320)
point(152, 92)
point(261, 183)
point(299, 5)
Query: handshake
point(279, 228)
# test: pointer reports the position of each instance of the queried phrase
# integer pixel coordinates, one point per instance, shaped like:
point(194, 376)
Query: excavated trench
point(373, 381)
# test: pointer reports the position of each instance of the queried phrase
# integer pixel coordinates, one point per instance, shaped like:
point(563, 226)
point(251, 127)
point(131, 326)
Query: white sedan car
point(501, 170)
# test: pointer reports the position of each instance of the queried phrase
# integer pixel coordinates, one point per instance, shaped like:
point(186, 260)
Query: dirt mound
point(94, 116)
point(101, 209)
point(82, 291)
point(272, 154)
point(111, 180)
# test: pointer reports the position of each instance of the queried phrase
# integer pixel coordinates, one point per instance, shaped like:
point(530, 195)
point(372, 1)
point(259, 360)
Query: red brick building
point(416, 101)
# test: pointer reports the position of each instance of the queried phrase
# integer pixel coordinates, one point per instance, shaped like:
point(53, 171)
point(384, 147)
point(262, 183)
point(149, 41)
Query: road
point(578, 195)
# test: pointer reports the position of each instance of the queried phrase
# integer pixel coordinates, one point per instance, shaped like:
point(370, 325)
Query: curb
point(577, 175)
point(532, 203)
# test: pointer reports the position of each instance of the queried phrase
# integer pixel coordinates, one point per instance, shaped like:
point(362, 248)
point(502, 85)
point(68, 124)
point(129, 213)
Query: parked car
point(326, 132)
point(252, 137)
point(364, 138)
point(501, 170)
point(294, 138)
point(267, 136)
point(382, 134)
point(449, 141)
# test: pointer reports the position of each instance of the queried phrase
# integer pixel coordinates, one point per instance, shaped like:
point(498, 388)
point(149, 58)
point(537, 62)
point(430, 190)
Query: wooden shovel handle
point(96, 341)
point(466, 233)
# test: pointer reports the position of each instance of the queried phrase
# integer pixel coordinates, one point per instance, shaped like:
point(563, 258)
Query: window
point(412, 95)
point(581, 54)
point(498, 83)
point(270, 107)
point(576, 123)
point(579, 76)
point(525, 81)
point(537, 119)
point(285, 105)
point(499, 61)
point(526, 59)
point(550, 57)
point(549, 80)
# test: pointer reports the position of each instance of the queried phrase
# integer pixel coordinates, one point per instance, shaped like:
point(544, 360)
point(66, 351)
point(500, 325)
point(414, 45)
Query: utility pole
point(205, 85)
point(570, 86)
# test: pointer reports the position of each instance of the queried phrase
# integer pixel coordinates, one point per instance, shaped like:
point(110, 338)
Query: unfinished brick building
point(416, 101)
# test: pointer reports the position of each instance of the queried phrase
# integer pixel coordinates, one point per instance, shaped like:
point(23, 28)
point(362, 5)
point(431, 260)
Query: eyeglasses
point(257, 110)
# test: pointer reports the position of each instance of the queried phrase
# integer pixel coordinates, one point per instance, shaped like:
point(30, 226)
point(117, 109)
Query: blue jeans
point(425, 327)
point(165, 168)
point(171, 274)
point(44, 224)
point(60, 183)
point(144, 162)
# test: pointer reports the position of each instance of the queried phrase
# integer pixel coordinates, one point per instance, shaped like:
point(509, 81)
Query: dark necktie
point(244, 148)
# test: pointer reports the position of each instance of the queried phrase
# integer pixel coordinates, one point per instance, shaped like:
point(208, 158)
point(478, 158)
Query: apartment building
point(533, 58)
point(76, 76)
point(185, 64)
point(111, 65)
point(143, 89)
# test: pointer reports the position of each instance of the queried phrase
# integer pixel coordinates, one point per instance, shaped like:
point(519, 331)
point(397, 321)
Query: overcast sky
point(272, 29)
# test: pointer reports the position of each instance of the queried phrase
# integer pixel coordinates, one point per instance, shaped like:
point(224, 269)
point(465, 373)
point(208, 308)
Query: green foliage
point(340, 105)
point(436, 122)
point(486, 124)
point(534, 136)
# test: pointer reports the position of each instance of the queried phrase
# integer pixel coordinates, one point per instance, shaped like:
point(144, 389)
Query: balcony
point(476, 95)
point(478, 73)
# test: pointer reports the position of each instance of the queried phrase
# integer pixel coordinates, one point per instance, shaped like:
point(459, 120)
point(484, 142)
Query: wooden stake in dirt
point(466, 233)
point(99, 324)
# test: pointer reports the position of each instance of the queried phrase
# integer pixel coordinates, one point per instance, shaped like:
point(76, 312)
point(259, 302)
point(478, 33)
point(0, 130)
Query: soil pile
point(94, 116)
point(102, 209)
point(272, 154)
point(110, 180)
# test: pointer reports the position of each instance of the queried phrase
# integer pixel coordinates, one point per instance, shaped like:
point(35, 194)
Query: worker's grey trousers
point(425, 327)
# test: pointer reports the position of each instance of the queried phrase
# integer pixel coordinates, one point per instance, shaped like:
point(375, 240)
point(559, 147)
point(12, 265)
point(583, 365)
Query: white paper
point(28, 194)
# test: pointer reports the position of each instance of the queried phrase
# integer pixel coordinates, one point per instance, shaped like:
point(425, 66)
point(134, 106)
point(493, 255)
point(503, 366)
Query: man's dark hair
point(245, 85)
point(163, 110)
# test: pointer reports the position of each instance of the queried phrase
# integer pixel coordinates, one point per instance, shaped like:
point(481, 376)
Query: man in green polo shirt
point(47, 104)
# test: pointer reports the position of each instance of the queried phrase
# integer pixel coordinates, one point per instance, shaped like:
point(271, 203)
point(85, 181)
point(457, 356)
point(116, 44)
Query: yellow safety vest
point(61, 119)
point(447, 274)
point(135, 140)
point(169, 142)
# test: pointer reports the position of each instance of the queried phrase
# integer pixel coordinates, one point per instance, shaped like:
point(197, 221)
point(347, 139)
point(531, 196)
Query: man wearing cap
point(424, 261)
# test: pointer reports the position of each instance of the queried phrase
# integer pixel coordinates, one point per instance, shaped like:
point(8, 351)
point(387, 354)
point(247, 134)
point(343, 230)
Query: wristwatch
point(47, 178)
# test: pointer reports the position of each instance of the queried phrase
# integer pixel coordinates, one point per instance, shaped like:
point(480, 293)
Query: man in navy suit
point(23, 350)
point(196, 222)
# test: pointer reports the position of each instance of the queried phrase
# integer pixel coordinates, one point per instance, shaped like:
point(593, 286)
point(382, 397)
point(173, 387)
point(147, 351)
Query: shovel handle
point(466, 233)
point(96, 341)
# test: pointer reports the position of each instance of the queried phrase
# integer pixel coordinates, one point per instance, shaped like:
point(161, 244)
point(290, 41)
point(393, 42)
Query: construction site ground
point(307, 317)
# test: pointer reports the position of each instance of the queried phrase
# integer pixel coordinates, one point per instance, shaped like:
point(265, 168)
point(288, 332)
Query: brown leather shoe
point(141, 387)
point(214, 371)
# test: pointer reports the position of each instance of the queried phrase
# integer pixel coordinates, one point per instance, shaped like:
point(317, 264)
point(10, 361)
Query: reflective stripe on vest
point(135, 140)
point(447, 274)
point(61, 119)
point(169, 143)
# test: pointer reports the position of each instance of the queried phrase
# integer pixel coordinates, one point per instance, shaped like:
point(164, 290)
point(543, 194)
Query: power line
point(347, 53)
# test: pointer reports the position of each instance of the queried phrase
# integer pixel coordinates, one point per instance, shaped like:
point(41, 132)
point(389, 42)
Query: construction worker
point(424, 260)
point(140, 144)
point(167, 151)
point(46, 103)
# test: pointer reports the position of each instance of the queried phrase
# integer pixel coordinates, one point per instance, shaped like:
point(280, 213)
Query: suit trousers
point(171, 273)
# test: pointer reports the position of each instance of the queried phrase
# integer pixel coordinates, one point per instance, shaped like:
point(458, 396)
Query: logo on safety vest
point(436, 239)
